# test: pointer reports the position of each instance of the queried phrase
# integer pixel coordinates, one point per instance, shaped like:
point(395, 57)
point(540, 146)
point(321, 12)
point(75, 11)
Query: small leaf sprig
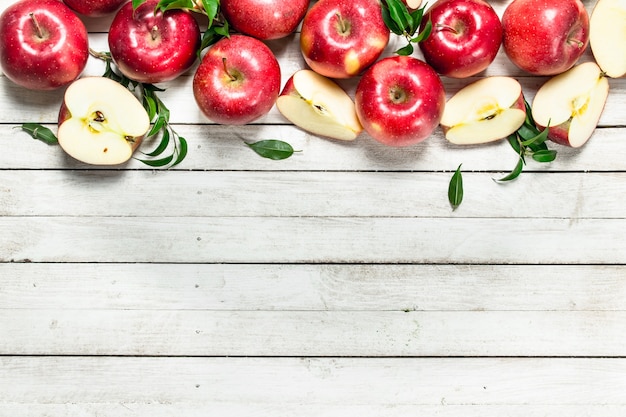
point(528, 140)
point(159, 117)
point(455, 189)
point(404, 23)
point(40, 132)
point(271, 149)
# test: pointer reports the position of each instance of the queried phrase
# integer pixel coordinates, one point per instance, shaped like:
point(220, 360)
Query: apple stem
point(154, 32)
point(231, 76)
point(576, 42)
point(40, 33)
point(447, 27)
point(344, 26)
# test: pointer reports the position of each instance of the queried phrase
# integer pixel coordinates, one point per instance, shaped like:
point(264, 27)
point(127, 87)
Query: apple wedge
point(607, 36)
point(101, 122)
point(484, 111)
point(318, 105)
point(571, 104)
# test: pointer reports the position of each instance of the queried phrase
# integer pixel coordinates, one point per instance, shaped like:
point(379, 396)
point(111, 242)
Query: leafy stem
point(406, 24)
point(159, 117)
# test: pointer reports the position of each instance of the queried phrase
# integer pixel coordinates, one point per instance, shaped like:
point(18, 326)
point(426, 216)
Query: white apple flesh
point(101, 122)
point(607, 36)
point(570, 104)
point(484, 111)
point(320, 106)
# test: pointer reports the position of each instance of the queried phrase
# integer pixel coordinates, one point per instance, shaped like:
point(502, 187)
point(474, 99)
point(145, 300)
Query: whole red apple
point(43, 44)
point(237, 81)
point(341, 38)
point(264, 19)
point(400, 100)
point(153, 47)
point(545, 37)
point(466, 37)
point(94, 8)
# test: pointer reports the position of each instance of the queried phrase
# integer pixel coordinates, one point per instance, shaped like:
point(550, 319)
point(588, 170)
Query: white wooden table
point(337, 282)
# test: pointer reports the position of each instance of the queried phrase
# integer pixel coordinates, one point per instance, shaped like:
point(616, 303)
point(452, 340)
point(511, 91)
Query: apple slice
point(607, 36)
point(101, 122)
point(412, 4)
point(484, 111)
point(318, 105)
point(571, 104)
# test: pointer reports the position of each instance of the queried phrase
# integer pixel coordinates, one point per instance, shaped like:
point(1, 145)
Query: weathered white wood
point(280, 194)
point(312, 240)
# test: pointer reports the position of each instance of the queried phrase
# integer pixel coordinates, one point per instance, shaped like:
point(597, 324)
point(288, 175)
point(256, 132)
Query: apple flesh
point(400, 100)
point(101, 122)
point(570, 104)
point(412, 5)
point(94, 8)
point(237, 81)
point(43, 44)
point(264, 19)
point(545, 37)
point(484, 111)
point(465, 39)
point(607, 36)
point(319, 105)
point(341, 38)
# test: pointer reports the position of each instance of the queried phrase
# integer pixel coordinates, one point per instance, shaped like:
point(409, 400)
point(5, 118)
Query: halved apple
point(101, 122)
point(571, 104)
point(412, 4)
point(484, 111)
point(318, 105)
point(607, 36)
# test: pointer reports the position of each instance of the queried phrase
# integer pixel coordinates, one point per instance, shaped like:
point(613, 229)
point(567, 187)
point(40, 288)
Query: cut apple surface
point(101, 122)
point(607, 36)
point(318, 105)
point(484, 111)
point(570, 104)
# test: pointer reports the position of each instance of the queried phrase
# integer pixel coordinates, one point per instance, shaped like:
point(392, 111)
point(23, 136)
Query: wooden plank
point(224, 287)
point(449, 387)
point(278, 194)
point(312, 240)
point(312, 333)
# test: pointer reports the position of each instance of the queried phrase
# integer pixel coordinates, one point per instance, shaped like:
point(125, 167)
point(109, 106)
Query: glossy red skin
point(42, 64)
point(148, 60)
point(264, 19)
point(94, 8)
point(465, 38)
point(408, 121)
point(236, 103)
point(325, 48)
point(538, 34)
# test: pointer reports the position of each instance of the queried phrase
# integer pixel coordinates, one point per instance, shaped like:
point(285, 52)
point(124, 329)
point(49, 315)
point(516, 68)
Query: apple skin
point(545, 37)
point(264, 19)
point(400, 100)
point(341, 38)
point(465, 38)
point(48, 62)
point(237, 81)
point(151, 47)
point(95, 8)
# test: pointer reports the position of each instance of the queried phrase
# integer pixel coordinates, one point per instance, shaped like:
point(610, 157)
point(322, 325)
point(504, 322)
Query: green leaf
point(428, 27)
point(182, 151)
point(272, 149)
point(547, 155)
point(513, 174)
point(540, 138)
point(455, 189)
point(390, 23)
point(157, 126)
point(158, 162)
point(165, 141)
point(137, 3)
point(42, 133)
point(405, 50)
point(399, 13)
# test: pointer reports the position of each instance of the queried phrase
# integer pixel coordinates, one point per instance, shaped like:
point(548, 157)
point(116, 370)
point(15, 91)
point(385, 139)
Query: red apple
point(264, 19)
point(545, 37)
point(465, 38)
point(400, 100)
point(237, 81)
point(153, 47)
point(43, 44)
point(341, 38)
point(94, 8)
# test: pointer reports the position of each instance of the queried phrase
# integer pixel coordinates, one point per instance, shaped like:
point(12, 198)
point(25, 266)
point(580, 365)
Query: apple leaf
point(272, 149)
point(42, 133)
point(455, 189)
point(513, 174)
point(404, 23)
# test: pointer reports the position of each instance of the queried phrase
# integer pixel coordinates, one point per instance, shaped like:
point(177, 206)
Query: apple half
point(484, 111)
point(607, 36)
point(318, 105)
point(101, 122)
point(571, 104)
